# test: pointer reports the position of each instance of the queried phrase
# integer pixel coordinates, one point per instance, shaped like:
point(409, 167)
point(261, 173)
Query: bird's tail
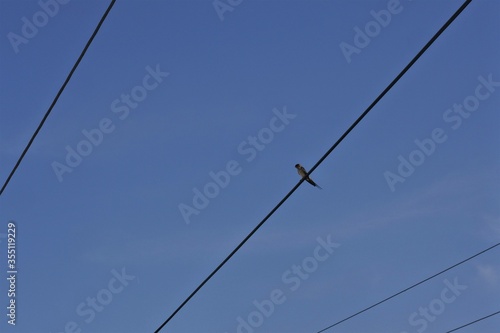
point(313, 183)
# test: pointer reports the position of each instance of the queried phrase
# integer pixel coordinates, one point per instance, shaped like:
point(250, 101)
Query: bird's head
point(297, 166)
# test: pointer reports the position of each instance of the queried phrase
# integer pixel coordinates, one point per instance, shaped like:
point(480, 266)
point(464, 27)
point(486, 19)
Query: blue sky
point(117, 212)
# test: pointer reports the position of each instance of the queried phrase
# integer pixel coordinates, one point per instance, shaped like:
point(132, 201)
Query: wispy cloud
point(490, 274)
point(438, 197)
point(130, 250)
point(491, 230)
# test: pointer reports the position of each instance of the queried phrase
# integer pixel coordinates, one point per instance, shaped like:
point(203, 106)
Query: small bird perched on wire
point(303, 173)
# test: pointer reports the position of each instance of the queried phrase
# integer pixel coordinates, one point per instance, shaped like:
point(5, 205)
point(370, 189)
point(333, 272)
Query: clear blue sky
point(118, 211)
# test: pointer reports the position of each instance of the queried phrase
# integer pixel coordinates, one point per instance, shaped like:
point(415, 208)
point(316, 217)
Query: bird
point(303, 173)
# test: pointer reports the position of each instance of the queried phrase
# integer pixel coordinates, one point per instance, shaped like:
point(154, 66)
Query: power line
point(473, 322)
point(400, 75)
point(410, 64)
point(409, 288)
point(58, 95)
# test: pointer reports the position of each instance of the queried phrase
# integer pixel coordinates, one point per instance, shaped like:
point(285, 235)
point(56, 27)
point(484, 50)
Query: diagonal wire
point(473, 322)
point(410, 64)
point(30, 142)
point(400, 75)
point(229, 256)
point(410, 287)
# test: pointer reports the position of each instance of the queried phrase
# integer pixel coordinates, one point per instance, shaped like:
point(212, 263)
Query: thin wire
point(473, 322)
point(410, 64)
point(411, 287)
point(422, 51)
point(229, 256)
point(57, 96)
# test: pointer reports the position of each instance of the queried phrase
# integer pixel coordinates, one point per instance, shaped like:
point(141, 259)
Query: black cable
point(57, 96)
point(422, 51)
point(229, 256)
point(473, 322)
point(411, 287)
point(400, 75)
